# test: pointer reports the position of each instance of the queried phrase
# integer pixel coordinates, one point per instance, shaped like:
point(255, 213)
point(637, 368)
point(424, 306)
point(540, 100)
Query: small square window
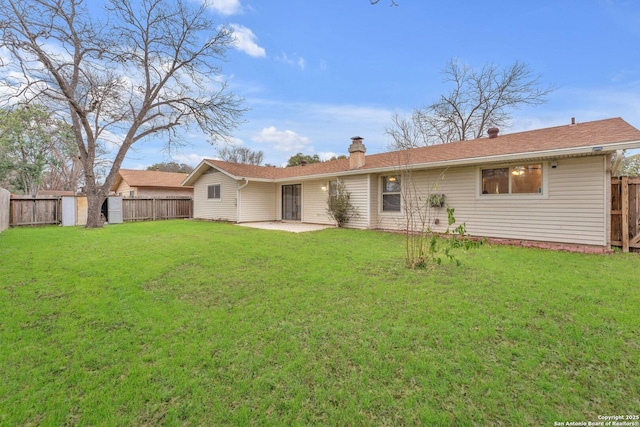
point(213, 191)
point(495, 181)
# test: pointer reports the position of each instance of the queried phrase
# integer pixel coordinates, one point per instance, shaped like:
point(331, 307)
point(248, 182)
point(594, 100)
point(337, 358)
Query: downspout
point(239, 200)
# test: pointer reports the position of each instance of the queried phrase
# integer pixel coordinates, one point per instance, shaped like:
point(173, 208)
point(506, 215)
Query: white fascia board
point(194, 174)
point(199, 170)
point(230, 175)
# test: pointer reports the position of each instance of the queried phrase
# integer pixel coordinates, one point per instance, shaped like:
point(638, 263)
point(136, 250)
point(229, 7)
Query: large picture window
point(519, 179)
point(391, 195)
point(213, 192)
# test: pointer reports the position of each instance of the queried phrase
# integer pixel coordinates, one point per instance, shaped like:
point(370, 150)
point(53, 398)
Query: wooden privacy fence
point(151, 209)
point(625, 213)
point(29, 210)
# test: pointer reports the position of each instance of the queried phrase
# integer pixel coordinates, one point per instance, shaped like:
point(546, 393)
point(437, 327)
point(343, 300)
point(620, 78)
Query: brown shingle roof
point(542, 141)
point(141, 178)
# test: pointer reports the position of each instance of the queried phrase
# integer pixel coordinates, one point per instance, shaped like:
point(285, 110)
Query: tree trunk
point(95, 199)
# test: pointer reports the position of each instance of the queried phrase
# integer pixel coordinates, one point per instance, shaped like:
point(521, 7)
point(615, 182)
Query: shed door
point(291, 202)
point(115, 210)
point(68, 211)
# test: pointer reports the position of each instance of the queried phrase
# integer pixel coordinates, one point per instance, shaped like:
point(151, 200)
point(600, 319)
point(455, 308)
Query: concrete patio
point(291, 226)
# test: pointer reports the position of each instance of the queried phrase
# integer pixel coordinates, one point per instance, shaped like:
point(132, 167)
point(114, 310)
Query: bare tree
point(477, 101)
point(64, 171)
point(392, 2)
point(241, 155)
point(148, 68)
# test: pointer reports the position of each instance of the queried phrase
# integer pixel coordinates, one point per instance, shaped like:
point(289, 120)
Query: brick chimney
point(356, 153)
point(493, 132)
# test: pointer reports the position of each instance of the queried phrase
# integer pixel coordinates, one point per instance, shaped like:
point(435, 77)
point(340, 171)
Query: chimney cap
point(493, 132)
point(357, 138)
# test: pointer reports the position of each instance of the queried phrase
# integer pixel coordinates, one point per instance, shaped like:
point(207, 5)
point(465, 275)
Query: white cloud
point(191, 159)
point(226, 7)
point(246, 41)
point(234, 141)
point(299, 62)
point(326, 155)
point(286, 141)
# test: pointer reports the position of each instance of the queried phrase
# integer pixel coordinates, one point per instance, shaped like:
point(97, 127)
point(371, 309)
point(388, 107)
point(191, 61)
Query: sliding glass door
point(291, 202)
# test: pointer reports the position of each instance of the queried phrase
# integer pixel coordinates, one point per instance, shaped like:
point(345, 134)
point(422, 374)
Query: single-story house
point(142, 183)
point(549, 185)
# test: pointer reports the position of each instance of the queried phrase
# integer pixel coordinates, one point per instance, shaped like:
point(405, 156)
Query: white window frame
point(381, 194)
point(215, 199)
point(544, 194)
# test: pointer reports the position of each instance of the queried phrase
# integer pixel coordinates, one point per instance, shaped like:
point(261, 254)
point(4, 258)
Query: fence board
point(151, 209)
point(5, 203)
point(625, 213)
point(27, 210)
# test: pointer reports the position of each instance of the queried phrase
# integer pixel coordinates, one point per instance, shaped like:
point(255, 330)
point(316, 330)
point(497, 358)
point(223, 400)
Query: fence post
point(5, 209)
point(624, 184)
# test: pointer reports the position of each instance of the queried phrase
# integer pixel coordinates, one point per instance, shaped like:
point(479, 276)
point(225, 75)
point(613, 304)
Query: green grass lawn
point(196, 323)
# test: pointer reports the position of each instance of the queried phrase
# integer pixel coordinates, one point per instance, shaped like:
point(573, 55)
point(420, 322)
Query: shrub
point(339, 204)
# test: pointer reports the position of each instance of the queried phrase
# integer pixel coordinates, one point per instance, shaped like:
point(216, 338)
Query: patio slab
point(293, 227)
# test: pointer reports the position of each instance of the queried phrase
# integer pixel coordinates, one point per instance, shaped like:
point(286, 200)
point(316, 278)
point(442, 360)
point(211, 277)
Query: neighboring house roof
point(141, 178)
point(587, 138)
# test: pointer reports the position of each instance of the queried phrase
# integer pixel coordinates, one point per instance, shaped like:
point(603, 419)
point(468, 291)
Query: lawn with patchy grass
point(197, 323)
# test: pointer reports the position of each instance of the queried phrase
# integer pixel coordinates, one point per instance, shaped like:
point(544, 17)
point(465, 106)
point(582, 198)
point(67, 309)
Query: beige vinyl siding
point(359, 188)
point(374, 221)
point(123, 189)
point(224, 209)
point(421, 184)
point(258, 202)
point(572, 211)
point(314, 202)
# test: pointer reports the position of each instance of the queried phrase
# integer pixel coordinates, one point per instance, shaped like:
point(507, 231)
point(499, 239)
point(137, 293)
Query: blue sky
point(314, 73)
